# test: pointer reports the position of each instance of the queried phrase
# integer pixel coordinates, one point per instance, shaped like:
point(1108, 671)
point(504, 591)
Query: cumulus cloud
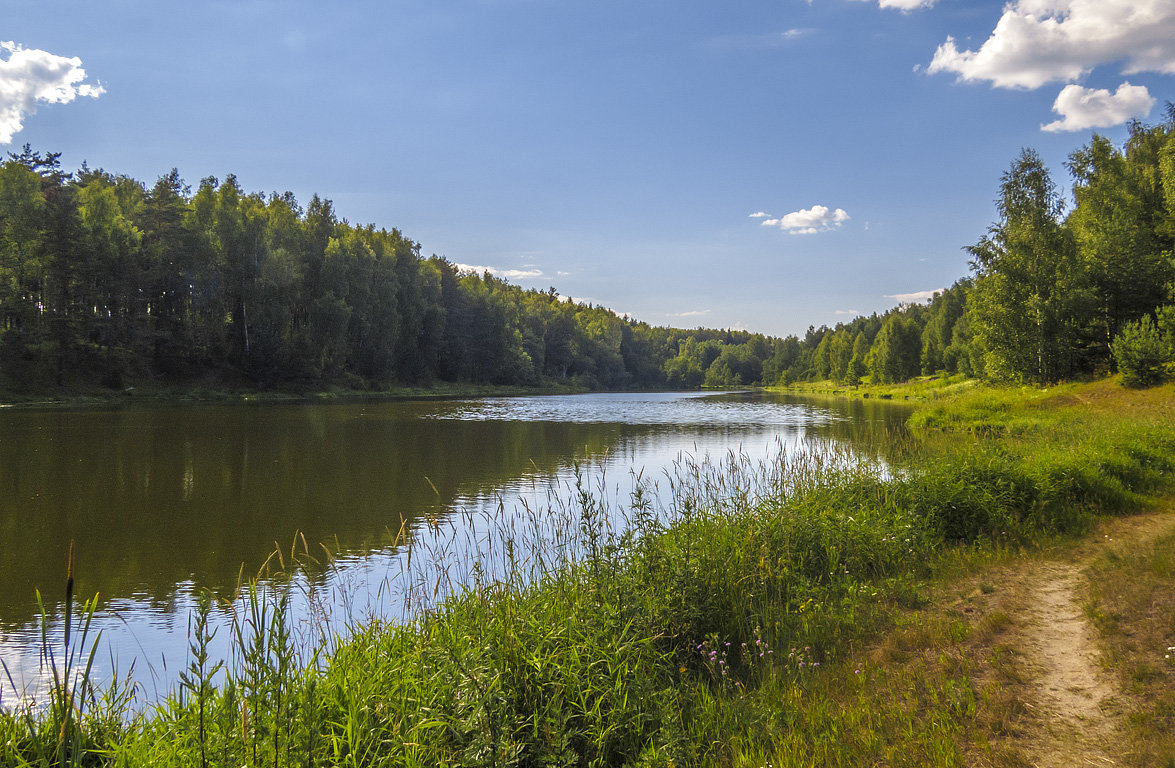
point(1082, 108)
point(29, 77)
point(904, 5)
point(1041, 41)
point(809, 221)
point(507, 274)
point(913, 298)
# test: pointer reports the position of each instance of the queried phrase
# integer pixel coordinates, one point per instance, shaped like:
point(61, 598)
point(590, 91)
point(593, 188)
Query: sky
point(738, 164)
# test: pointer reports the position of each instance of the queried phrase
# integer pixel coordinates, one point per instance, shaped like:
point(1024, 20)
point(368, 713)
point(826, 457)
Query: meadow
point(769, 615)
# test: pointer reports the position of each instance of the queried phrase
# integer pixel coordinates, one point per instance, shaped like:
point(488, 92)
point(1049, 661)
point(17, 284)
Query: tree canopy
point(104, 280)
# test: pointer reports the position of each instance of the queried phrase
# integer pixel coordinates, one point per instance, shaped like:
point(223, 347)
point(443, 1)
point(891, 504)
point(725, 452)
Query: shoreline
point(206, 395)
point(864, 587)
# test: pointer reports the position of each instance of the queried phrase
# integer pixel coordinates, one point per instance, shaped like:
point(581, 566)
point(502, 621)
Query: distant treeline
point(106, 281)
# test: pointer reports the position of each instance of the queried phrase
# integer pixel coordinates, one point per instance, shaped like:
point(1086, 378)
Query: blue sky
point(615, 150)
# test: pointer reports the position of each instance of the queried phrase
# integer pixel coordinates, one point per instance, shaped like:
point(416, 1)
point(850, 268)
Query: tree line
point(104, 280)
point(1057, 289)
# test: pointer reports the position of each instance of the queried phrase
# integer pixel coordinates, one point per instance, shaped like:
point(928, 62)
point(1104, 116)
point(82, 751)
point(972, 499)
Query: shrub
point(1142, 354)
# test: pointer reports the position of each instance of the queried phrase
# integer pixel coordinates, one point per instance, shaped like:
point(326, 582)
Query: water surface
point(164, 500)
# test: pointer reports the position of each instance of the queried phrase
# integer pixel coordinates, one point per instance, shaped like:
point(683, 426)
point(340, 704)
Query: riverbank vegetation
point(1057, 291)
point(782, 614)
point(108, 283)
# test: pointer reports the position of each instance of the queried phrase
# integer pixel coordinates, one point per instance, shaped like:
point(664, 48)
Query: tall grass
point(717, 629)
point(79, 717)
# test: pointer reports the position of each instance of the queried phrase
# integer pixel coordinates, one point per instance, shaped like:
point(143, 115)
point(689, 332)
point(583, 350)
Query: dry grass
point(1132, 603)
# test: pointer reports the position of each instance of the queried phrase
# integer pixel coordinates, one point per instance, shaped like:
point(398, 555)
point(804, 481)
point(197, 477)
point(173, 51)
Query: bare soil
point(1037, 655)
point(1075, 701)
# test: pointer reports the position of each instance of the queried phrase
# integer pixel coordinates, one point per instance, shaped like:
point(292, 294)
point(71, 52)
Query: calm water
point(164, 500)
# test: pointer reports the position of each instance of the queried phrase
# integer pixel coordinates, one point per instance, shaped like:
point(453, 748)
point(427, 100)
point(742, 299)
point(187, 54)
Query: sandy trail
point(1074, 698)
point(1077, 707)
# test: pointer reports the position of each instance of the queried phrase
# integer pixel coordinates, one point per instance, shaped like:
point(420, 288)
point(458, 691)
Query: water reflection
point(160, 499)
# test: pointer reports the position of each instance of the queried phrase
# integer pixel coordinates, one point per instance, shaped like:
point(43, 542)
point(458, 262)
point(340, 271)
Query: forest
point(106, 282)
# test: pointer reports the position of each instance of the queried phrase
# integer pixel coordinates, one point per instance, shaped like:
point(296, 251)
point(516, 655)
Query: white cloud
point(904, 5)
point(508, 274)
point(1082, 108)
point(1041, 41)
point(691, 313)
point(754, 42)
point(853, 312)
point(29, 77)
point(913, 298)
point(818, 218)
point(758, 215)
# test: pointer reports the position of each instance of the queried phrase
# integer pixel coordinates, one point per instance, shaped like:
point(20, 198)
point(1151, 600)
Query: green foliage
point(1115, 224)
point(704, 633)
point(859, 362)
point(104, 282)
point(1029, 293)
point(1144, 357)
point(895, 355)
point(938, 335)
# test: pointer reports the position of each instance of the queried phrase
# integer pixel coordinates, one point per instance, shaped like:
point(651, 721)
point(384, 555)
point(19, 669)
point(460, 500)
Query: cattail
point(68, 594)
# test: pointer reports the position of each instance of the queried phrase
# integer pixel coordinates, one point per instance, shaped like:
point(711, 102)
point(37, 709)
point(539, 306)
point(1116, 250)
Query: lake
point(164, 500)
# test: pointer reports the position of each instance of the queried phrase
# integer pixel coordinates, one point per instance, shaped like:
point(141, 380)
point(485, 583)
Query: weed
point(722, 629)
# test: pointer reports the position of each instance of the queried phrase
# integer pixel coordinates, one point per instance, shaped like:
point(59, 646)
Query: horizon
point(641, 159)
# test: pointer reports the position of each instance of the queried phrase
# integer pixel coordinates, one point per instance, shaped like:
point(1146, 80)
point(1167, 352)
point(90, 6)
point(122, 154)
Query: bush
point(1143, 356)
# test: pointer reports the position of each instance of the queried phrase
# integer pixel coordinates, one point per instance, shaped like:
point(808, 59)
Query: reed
point(723, 628)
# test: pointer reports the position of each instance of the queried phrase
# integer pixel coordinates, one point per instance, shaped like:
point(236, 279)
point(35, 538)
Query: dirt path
point(1074, 709)
point(1073, 699)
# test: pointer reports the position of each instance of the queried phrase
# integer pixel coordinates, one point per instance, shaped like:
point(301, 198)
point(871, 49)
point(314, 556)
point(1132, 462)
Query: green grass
point(247, 393)
point(1133, 606)
point(918, 389)
point(642, 647)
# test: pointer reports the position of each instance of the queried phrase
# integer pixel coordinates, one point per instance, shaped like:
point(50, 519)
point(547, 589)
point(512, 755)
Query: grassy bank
point(222, 394)
point(920, 388)
point(779, 615)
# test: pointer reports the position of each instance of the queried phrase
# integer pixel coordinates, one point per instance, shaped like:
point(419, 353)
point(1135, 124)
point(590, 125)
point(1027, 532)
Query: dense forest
point(105, 281)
